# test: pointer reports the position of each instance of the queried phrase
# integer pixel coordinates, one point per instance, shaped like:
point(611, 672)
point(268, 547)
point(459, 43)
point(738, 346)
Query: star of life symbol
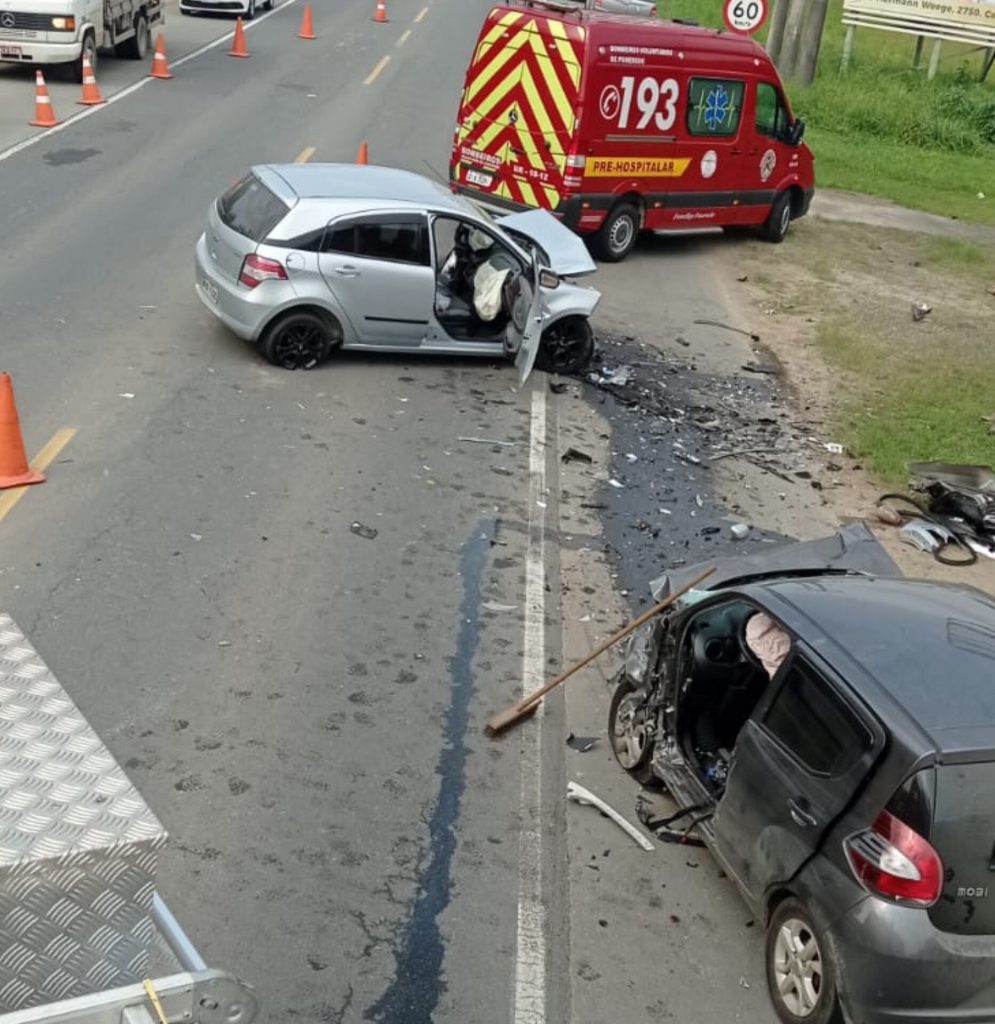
point(716, 107)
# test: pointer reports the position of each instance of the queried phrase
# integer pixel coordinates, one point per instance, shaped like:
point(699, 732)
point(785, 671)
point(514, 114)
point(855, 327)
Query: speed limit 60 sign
point(744, 15)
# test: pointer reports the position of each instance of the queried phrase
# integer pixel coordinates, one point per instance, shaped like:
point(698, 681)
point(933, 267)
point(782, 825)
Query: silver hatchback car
point(301, 259)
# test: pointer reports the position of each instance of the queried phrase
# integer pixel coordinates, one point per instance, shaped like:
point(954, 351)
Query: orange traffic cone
point(307, 28)
point(44, 115)
point(363, 156)
point(238, 47)
point(160, 66)
point(91, 92)
point(14, 468)
point(381, 14)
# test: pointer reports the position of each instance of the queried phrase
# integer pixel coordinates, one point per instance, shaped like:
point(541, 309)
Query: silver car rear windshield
point(251, 209)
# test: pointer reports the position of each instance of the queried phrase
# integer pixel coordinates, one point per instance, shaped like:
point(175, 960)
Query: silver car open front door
point(531, 329)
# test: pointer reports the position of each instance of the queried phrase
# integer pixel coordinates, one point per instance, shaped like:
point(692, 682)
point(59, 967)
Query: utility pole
point(792, 35)
point(808, 61)
point(775, 35)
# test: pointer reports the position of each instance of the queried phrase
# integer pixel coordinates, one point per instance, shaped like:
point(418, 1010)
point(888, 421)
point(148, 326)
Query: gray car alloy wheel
point(630, 731)
point(798, 968)
point(630, 735)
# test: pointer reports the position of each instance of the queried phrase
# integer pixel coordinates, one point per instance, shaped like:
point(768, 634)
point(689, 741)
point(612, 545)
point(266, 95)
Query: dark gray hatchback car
point(848, 789)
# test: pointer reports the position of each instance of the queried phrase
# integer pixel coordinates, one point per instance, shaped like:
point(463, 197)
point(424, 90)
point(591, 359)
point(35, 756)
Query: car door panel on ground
point(378, 266)
point(797, 764)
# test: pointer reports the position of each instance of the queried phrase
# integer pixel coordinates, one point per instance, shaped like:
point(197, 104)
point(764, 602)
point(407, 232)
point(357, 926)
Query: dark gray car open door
point(796, 765)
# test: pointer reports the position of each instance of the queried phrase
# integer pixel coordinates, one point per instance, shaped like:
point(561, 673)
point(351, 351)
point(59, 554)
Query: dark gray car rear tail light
point(893, 861)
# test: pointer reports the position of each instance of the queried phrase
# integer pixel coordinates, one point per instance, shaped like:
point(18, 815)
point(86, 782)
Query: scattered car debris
point(920, 310)
point(740, 530)
point(736, 330)
point(363, 531)
point(582, 744)
point(833, 447)
point(682, 341)
point(487, 440)
point(495, 606)
point(616, 483)
point(557, 385)
point(576, 455)
point(585, 796)
point(768, 368)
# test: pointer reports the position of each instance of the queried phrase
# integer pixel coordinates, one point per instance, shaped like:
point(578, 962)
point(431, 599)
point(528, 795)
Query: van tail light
point(893, 861)
point(576, 162)
point(256, 269)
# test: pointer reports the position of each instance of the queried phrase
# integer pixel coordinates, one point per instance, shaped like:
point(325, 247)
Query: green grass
point(883, 129)
point(897, 391)
point(929, 409)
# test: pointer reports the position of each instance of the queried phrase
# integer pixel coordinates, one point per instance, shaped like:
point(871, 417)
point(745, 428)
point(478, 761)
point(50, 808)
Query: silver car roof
point(358, 184)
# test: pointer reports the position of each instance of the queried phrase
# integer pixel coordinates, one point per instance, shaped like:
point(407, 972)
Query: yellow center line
point(421, 14)
point(40, 462)
point(371, 77)
point(304, 155)
point(404, 37)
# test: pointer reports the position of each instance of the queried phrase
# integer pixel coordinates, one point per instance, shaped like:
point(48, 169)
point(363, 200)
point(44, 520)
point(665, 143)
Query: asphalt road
point(302, 705)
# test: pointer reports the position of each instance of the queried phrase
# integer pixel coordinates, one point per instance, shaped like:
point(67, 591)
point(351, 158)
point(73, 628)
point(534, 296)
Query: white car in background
point(246, 8)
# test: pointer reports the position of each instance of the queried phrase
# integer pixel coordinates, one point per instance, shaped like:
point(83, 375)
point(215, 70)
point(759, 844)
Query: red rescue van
point(619, 124)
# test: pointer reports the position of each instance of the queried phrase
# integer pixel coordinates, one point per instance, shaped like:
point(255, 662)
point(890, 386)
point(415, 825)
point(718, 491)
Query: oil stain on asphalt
point(418, 977)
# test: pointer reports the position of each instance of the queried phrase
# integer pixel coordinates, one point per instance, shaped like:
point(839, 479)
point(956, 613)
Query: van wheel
point(566, 346)
point(779, 220)
point(800, 973)
point(618, 234)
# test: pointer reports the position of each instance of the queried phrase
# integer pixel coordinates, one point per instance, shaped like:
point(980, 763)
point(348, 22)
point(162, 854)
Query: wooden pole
point(527, 706)
point(847, 47)
point(934, 60)
point(776, 34)
point(808, 61)
point(792, 36)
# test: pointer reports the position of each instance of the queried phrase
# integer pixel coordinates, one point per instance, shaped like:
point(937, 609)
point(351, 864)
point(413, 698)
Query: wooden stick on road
point(527, 706)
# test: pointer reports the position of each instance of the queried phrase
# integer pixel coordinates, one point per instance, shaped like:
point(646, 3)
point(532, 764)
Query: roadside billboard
point(967, 21)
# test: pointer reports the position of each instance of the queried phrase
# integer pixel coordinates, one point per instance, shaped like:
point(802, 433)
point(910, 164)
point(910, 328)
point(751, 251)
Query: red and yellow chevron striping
point(519, 104)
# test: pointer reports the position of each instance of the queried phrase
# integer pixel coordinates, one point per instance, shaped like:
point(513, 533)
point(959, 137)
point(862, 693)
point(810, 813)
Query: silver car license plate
point(13, 52)
point(210, 290)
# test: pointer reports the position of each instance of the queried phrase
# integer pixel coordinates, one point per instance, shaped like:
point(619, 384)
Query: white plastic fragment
point(585, 796)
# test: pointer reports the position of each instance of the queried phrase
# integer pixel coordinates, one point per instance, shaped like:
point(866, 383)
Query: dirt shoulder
point(856, 208)
point(832, 307)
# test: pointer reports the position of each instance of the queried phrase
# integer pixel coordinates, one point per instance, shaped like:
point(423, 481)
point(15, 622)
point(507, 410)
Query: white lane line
point(404, 37)
point(24, 144)
point(530, 955)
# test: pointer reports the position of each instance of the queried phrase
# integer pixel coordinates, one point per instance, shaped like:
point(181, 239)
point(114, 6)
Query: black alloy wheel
point(300, 341)
point(566, 346)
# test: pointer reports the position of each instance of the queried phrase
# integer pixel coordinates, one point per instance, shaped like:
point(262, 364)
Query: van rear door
point(520, 108)
point(963, 835)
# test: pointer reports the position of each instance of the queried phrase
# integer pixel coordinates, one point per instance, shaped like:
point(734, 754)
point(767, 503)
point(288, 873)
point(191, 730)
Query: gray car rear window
point(251, 209)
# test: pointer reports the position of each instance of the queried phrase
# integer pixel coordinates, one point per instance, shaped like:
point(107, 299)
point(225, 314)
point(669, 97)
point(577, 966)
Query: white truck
point(40, 32)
